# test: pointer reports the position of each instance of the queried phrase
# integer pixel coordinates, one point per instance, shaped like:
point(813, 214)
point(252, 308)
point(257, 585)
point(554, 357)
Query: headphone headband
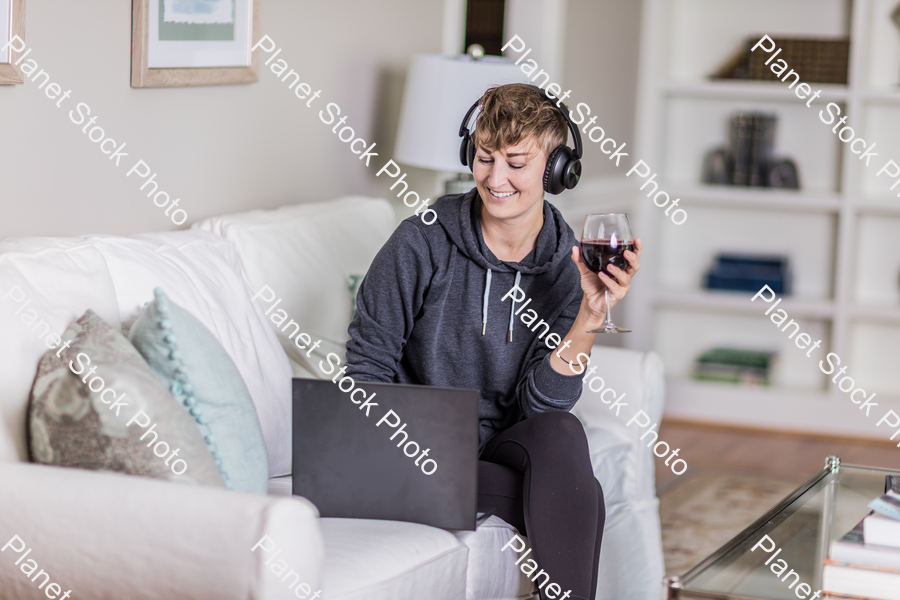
point(464, 127)
point(577, 152)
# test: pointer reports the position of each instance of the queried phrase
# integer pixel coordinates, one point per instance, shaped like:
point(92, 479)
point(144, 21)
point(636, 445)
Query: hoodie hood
point(460, 216)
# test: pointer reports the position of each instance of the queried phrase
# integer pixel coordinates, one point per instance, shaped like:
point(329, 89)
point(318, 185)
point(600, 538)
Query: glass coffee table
point(803, 525)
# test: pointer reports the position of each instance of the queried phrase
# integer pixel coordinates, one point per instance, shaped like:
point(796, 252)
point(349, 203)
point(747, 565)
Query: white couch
point(106, 535)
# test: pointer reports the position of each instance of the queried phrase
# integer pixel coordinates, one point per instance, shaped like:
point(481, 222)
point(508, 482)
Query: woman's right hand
point(595, 285)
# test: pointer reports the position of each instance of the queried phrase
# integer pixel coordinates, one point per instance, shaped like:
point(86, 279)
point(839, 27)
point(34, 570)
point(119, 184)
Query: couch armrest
point(638, 375)
point(637, 378)
point(109, 536)
point(631, 560)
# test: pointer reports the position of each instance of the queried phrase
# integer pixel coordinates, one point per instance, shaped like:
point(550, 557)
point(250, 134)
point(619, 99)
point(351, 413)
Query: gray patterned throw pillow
point(95, 404)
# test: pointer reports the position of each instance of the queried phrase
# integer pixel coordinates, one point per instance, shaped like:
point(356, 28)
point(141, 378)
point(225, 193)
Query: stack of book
point(752, 138)
point(865, 563)
point(816, 60)
point(734, 365)
point(748, 160)
point(749, 273)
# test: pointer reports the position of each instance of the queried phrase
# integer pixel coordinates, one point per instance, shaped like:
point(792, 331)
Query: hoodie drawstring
point(484, 310)
point(512, 309)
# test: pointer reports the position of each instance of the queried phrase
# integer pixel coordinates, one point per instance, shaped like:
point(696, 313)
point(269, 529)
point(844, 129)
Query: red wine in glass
point(604, 240)
point(599, 254)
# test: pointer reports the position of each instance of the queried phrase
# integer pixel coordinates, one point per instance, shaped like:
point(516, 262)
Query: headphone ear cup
point(554, 181)
point(467, 152)
point(464, 151)
point(470, 152)
point(572, 173)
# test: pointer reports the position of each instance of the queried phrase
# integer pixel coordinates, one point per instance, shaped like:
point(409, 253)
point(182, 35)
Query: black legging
point(538, 476)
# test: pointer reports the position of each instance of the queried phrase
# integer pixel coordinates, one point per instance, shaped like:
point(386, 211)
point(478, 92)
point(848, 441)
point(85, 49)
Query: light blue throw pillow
point(353, 282)
point(194, 366)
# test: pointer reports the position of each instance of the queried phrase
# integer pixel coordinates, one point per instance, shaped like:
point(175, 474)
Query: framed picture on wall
point(12, 23)
point(193, 42)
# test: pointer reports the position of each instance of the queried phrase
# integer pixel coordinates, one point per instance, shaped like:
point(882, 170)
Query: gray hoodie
point(431, 290)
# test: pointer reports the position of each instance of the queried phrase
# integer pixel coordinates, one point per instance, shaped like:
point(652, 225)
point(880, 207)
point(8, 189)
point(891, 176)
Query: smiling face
point(510, 180)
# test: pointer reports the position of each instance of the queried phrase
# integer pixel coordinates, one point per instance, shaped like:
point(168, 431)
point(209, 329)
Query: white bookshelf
point(841, 231)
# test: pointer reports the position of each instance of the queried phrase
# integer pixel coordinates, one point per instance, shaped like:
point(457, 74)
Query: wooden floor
point(794, 456)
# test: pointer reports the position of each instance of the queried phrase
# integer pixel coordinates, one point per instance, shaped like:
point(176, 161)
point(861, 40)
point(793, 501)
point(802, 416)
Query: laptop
point(345, 462)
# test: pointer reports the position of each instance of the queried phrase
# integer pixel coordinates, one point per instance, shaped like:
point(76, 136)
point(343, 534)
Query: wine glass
point(604, 240)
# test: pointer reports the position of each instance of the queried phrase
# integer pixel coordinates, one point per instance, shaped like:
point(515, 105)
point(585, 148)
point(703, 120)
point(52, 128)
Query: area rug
point(701, 513)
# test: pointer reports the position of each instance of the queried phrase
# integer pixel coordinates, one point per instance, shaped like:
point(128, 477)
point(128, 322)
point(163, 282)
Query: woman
point(435, 309)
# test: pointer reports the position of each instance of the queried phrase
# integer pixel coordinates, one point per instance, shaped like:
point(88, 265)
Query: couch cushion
point(493, 574)
point(192, 364)
point(49, 282)
point(280, 486)
point(201, 273)
point(72, 421)
point(374, 560)
point(387, 560)
point(306, 254)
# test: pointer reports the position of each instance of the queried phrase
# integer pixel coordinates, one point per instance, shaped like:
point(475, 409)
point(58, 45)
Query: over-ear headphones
point(563, 164)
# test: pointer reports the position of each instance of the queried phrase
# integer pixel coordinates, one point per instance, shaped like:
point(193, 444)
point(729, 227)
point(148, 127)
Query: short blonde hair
point(514, 112)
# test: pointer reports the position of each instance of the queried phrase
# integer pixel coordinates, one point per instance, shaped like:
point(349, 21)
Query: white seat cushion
point(632, 529)
point(493, 574)
point(280, 486)
point(387, 560)
point(372, 560)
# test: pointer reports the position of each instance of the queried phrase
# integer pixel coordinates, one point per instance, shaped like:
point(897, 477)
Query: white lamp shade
point(439, 91)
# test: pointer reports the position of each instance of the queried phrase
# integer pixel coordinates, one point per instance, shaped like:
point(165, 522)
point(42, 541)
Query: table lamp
point(439, 91)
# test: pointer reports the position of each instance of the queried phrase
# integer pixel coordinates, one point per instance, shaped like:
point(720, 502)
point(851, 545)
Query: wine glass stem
point(607, 323)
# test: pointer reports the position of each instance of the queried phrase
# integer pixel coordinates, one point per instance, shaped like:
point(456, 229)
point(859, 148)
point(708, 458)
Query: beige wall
point(601, 63)
point(220, 148)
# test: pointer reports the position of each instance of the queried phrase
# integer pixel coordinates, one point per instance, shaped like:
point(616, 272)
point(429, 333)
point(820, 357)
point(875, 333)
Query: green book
point(733, 365)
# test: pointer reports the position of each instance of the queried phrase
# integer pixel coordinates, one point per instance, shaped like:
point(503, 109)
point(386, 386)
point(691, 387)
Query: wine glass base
point(610, 329)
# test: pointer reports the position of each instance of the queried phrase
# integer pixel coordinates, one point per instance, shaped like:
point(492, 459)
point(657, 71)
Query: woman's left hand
point(594, 285)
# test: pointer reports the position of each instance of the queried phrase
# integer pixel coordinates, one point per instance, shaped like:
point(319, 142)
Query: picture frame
point(193, 42)
point(12, 23)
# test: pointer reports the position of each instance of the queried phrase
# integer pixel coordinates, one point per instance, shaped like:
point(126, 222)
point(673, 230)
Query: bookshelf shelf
point(771, 408)
point(878, 314)
point(740, 390)
point(890, 96)
point(841, 231)
point(888, 205)
point(750, 90)
point(759, 198)
point(739, 302)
